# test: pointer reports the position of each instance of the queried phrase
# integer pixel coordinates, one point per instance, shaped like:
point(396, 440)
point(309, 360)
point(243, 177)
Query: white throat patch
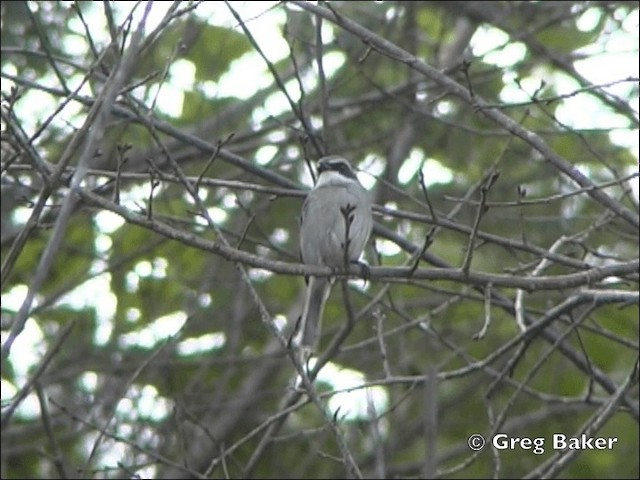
point(329, 177)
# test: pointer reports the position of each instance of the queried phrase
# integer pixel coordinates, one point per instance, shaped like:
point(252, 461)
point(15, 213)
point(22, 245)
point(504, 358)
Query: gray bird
point(337, 204)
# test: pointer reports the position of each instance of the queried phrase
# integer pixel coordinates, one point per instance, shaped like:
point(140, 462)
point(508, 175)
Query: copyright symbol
point(476, 442)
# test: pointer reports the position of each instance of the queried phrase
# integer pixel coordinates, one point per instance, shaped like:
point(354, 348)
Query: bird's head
point(335, 169)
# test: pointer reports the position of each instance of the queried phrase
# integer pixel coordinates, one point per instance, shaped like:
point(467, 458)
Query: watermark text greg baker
point(559, 441)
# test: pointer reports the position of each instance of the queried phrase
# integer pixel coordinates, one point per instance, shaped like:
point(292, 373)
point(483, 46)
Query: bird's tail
point(318, 291)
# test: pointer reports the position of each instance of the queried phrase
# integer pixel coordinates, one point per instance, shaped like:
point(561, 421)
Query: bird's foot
point(365, 271)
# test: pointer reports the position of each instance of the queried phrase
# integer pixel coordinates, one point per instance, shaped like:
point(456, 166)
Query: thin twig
point(487, 314)
point(212, 158)
point(481, 210)
point(56, 452)
point(379, 316)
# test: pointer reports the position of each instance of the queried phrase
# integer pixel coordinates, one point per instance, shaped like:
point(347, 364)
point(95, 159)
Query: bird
point(335, 225)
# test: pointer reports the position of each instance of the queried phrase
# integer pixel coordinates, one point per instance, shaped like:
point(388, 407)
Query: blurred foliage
point(172, 364)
